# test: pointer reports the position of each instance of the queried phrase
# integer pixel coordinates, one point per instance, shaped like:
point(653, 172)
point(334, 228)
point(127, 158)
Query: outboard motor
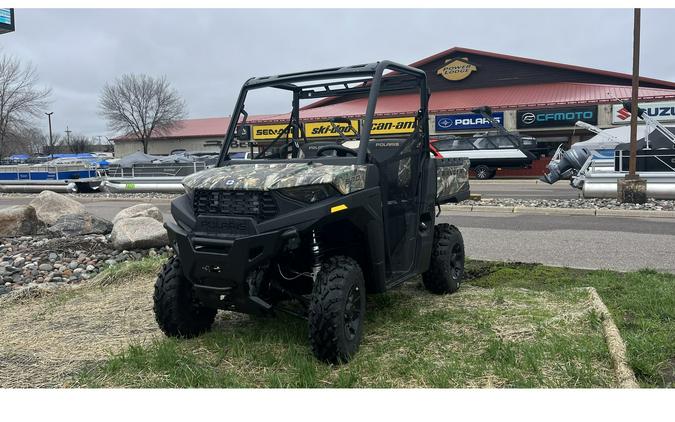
point(572, 159)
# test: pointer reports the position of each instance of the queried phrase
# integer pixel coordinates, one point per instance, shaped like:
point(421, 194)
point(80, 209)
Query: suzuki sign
point(663, 112)
point(467, 121)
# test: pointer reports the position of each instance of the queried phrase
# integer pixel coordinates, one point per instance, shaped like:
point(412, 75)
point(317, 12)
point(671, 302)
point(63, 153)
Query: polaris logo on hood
point(467, 121)
point(663, 112)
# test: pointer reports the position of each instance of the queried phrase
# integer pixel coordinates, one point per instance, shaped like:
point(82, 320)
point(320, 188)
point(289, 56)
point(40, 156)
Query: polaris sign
point(556, 117)
point(466, 121)
point(663, 112)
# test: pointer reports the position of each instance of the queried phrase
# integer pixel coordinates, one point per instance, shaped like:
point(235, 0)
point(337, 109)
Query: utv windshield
point(322, 113)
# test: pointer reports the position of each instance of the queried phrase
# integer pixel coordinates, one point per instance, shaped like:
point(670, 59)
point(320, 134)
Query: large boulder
point(79, 224)
point(50, 206)
point(18, 220)
point(140, 210)
point(139, 233)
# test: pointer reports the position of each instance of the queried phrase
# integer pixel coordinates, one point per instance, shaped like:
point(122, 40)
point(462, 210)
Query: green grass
point(642, 305)
point(512, 325)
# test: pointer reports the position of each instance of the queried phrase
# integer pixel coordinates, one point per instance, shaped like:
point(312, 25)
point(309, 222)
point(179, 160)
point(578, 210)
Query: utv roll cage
point(354, 82)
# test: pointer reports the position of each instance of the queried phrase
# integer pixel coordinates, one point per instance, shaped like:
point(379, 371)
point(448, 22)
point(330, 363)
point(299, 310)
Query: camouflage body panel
point(268, 176)
point(452, 177)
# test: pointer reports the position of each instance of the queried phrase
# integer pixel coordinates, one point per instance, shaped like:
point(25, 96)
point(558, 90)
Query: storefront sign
point(456, 69)
point(556, 117)
point(6, 20)
point(663, 112)
point(269, 131)
point(327, 130)
point(244, 133)
point(466, 121)
point(393, 125)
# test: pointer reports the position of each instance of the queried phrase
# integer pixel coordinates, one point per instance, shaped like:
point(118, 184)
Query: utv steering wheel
point(338, 148)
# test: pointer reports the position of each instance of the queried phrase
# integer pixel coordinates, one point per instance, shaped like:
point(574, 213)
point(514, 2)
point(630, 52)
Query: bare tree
point(77, 144)
point(21, 99)
point(140, 106)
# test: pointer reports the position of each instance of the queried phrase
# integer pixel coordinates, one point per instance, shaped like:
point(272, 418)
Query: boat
point(487, 151)
point(139, 172)
point(596, 165)
point(64, 174)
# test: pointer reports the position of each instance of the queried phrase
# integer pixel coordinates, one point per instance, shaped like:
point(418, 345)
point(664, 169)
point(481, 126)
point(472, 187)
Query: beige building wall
point(165, 146)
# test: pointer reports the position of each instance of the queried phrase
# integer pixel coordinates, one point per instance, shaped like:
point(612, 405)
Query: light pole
point(51, 141)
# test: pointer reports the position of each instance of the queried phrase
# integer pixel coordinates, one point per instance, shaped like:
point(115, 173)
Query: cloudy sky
point(207, 54)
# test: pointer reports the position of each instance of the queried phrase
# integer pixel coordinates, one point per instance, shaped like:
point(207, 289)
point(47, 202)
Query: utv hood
point(269, 176)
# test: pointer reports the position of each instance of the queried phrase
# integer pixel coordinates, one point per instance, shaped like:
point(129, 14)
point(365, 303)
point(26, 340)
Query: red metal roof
point(499, 98)
point(191, 128)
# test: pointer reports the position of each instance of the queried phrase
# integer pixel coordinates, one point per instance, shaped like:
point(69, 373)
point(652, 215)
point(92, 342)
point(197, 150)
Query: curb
point(617, 348)
point(596, 212)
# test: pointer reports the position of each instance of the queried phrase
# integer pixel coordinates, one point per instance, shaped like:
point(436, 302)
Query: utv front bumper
point(218, 267)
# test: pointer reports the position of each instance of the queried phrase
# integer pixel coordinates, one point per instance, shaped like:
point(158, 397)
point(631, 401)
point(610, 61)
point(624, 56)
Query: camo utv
point(309, 227)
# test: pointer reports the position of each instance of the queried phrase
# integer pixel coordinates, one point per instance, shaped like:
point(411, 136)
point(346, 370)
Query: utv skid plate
point(218, 268)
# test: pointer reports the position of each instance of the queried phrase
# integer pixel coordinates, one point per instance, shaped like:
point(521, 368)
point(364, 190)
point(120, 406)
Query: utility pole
point(632, 188)
point(634, 94)
point(51, 139)
point(68, 135)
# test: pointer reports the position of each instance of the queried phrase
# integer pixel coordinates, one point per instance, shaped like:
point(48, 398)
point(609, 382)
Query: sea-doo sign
point(467, 121)
point(555, 117)
point(456, 69)
point(663, 112)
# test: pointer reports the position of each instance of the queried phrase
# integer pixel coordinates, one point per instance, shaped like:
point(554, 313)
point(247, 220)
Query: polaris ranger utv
point(310, 227)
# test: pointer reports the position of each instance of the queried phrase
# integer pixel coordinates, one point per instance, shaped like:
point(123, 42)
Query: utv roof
point(362, 73)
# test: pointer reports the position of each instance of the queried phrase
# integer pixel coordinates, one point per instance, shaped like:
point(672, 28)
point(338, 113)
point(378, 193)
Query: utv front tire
point(447, 261)
point(337, 310)
point(177, 311)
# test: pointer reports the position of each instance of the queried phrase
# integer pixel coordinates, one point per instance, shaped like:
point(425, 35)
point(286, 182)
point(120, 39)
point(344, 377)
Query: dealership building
point(534, 97)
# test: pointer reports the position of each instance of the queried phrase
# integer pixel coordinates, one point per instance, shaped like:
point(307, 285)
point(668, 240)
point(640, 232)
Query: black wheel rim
point(352, 314)
point(457, 261)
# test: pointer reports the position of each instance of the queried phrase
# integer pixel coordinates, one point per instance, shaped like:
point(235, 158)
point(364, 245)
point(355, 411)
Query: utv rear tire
point(337, 310)
point(447, 261)
point(177, 311)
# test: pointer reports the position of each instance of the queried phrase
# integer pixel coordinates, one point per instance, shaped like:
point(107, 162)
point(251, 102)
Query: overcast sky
point(208, 54)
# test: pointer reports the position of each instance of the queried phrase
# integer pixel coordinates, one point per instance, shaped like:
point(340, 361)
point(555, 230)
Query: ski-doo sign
point(555, 117)
point(467, 121)
point(663, 112)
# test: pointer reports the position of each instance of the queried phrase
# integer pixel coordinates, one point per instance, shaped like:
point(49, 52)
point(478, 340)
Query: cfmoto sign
point(556, 117)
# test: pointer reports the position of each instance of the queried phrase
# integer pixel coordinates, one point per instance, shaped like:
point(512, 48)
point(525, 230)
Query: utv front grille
point(258, 205)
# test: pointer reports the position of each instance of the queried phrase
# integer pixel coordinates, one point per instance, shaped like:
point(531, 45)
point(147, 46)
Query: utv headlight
point(190, 192)
point(310, 194)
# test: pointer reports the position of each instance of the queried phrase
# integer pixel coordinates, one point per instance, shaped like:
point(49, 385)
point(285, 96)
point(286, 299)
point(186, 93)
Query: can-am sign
point(556, 117)
point(467, 121)
point(663, 112)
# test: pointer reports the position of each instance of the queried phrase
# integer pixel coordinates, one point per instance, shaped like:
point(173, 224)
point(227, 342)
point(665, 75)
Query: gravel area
point(32, 260)
point(591, 203)
point(99, 195)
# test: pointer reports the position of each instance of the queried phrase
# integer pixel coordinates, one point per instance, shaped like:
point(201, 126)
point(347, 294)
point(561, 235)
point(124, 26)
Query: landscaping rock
point(139, 233)
point(18, 220)
point(79, 224)
point(140, 210)
point(49, 206)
